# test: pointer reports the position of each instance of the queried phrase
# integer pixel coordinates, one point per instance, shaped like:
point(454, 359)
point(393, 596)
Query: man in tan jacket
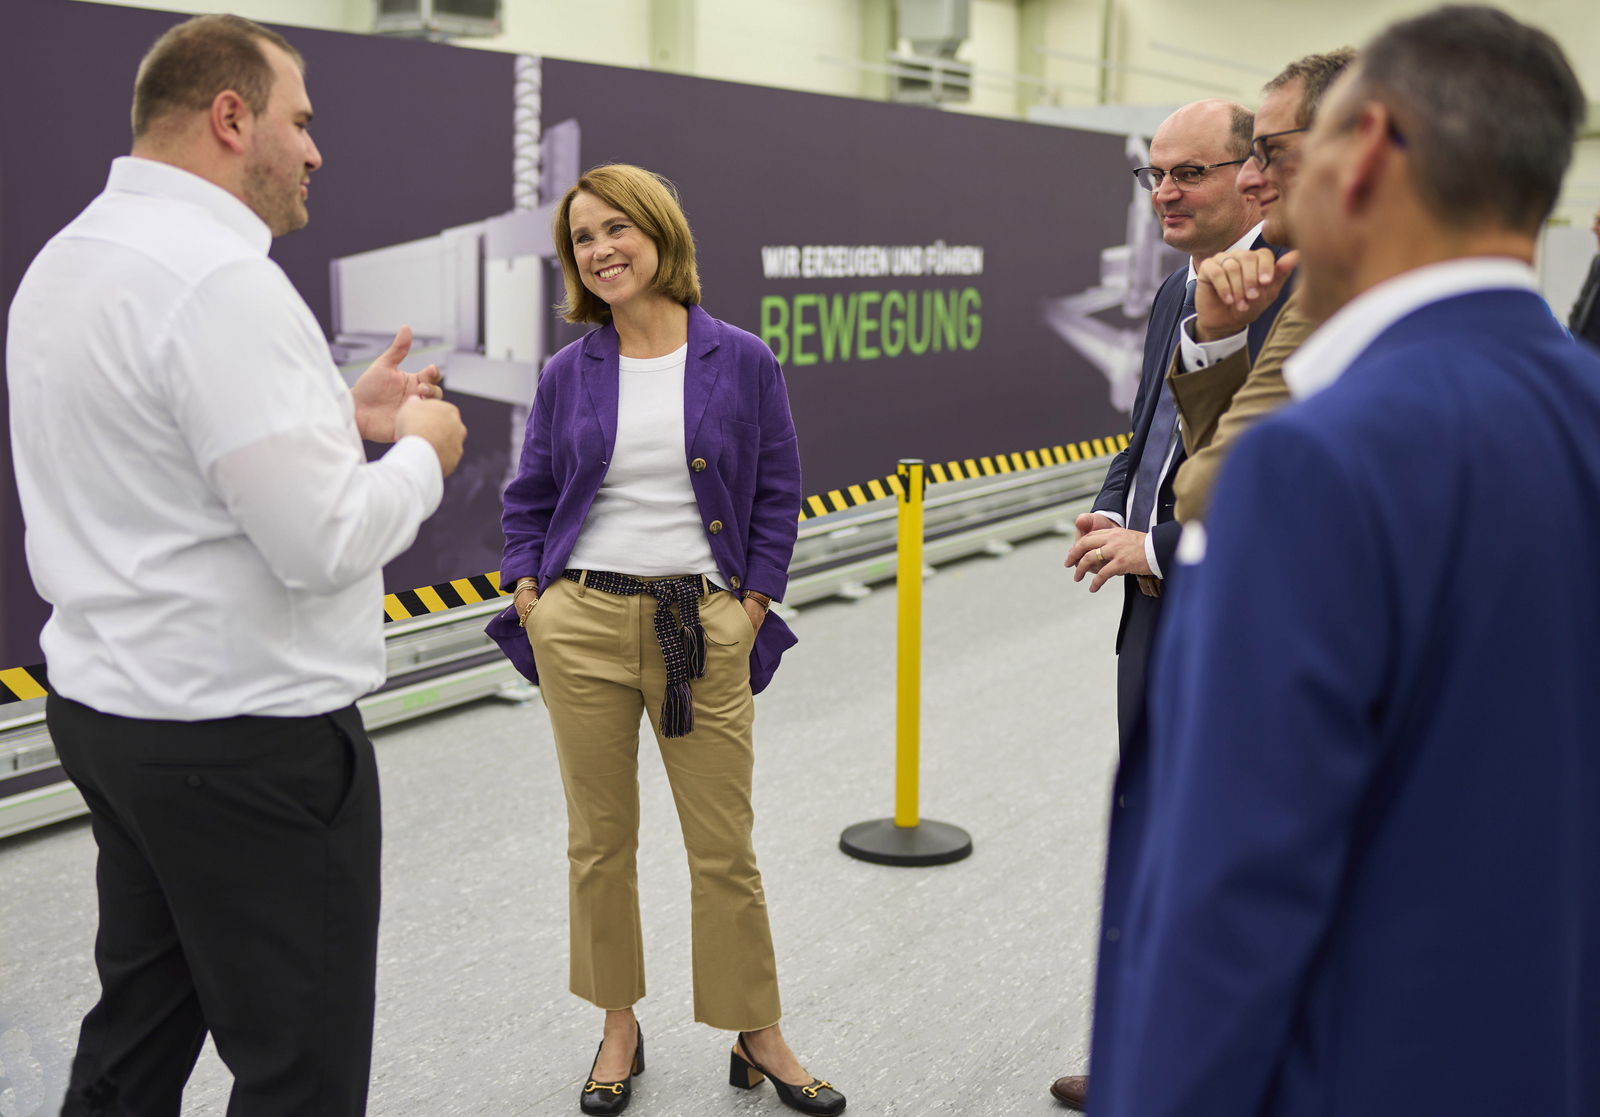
point(1219, 393)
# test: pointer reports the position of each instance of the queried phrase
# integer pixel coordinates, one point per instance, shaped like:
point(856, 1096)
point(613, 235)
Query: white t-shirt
point(645, 520)
point(199, 510)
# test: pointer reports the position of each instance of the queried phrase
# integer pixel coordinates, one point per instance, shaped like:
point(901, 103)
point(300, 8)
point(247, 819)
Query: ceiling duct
point(930, 74)
point(436, 19)
point(936, 28)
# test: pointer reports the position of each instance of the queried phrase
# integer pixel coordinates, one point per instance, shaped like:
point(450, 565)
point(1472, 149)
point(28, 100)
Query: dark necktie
point(1163, 430)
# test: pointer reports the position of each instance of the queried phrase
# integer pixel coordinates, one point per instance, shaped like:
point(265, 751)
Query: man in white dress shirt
point(202, 518)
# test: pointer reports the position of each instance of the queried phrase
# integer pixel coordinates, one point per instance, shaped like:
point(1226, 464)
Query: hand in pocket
point(755, 612)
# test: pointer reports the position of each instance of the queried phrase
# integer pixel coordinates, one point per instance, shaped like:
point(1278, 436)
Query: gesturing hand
point(381, 390)
point(438, 422)
point(1106, 552)
point(1233, 288)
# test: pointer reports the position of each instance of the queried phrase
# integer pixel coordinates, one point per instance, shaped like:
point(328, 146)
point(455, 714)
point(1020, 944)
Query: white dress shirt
point(200, 513)
point(1325, 355)
point(645, 520)
point(1166, 467)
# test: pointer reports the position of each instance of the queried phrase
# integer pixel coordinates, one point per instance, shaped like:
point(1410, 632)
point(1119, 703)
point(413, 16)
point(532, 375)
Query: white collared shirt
point(200, 512)
point(645, 520)
point(1166, 467)
point(1335, 345)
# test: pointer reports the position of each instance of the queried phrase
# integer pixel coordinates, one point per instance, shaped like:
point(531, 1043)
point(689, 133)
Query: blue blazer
point(1370, 882)
point(1140, 618)
point(736, 426)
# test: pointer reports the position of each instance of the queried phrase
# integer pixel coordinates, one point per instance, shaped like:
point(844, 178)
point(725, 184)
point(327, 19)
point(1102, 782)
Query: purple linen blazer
point(735, 416)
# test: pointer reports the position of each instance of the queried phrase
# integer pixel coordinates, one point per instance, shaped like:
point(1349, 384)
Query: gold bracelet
point(522, 620)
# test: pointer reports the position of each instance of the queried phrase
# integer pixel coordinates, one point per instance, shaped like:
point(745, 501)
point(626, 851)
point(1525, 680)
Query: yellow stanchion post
point(908, 648)
point(908, 838)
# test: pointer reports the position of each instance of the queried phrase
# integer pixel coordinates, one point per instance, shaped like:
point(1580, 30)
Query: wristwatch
point(760, 599)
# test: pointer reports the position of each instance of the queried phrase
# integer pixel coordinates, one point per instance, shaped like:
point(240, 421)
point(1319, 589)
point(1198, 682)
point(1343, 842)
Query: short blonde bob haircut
point(651, 203)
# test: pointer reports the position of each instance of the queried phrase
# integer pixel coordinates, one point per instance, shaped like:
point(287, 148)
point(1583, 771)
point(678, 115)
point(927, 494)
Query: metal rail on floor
point(444, 659)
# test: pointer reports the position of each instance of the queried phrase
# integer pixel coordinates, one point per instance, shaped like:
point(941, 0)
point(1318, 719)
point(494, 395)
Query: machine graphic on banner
point(1130, 275)
point(477, 297)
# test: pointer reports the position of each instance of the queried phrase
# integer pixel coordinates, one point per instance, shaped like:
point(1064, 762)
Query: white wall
point(780, 42)
point(336, 15)
point(992, 50)
point(615, 32)
point(1263, 35)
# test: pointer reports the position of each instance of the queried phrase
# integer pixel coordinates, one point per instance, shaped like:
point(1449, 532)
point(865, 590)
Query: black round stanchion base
point(927, 843)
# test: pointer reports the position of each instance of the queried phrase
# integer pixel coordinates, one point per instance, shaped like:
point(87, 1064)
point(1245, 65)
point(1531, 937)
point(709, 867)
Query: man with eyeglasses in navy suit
point(1195, 158)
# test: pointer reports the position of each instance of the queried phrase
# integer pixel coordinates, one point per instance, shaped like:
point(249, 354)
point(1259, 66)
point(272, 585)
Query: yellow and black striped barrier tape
point(484, 587)
point(840, 499)
point(438, 598)
point(22, 683)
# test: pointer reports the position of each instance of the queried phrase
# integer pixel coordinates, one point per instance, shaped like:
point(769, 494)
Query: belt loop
point(705, 590)
point(583, 582)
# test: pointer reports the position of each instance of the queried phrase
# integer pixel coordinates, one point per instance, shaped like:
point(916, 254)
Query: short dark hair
point(1241, 131)
point(200, 58)
point(1488, 109)
point(1315, 72)
point(651, 203)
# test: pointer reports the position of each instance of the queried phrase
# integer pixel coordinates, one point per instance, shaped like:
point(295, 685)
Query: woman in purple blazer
point(649, 528)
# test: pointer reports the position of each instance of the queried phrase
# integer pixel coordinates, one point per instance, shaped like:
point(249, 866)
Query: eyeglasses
point(1185, 175)
point(1264, 155)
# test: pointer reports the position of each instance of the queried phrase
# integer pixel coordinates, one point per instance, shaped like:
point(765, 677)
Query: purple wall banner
point(936, 285)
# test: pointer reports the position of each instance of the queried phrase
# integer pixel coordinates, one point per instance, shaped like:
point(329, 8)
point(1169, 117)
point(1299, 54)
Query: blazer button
point(734, 581)
point(714, 526)
point(698, 465)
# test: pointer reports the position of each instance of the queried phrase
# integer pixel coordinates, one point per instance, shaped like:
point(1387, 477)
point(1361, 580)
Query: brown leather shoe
point(1073, 1090)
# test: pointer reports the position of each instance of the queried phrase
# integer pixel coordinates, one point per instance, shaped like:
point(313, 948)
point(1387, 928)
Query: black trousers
point(238, 886)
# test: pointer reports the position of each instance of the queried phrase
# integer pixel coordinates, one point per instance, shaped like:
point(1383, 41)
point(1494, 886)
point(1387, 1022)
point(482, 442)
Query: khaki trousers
point(600, 666)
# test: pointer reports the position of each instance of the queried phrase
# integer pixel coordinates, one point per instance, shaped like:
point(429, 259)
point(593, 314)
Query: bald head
point(1227, 121)
point(1209, 216)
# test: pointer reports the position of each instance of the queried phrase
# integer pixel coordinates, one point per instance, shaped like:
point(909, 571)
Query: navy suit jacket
point(1160, 339)
point(1370, 880)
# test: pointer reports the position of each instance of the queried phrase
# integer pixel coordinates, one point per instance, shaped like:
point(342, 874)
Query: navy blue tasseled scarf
point(685, 654)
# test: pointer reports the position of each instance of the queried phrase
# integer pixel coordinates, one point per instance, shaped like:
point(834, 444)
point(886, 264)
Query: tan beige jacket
point(1219, 403)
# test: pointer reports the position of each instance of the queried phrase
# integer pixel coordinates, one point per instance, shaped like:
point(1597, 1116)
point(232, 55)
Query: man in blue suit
point(1195, 157)
point(1370, 882)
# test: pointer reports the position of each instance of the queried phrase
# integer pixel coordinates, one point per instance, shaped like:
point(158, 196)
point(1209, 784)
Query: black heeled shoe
point(819, 1097)
point(611, 1097)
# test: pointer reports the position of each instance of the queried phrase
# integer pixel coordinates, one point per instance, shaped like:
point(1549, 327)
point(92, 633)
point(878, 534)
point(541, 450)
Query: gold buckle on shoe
point(819, 1084)
point(614, 1087)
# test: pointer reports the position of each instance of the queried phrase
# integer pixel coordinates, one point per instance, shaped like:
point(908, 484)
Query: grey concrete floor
point(962, 989)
